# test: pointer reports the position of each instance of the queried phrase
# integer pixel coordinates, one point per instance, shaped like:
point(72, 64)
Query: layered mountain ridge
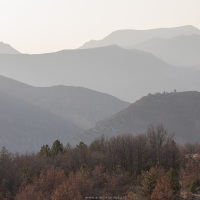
point(125, 38)
point(127, 74)
point(31, 116)
point(183, 50)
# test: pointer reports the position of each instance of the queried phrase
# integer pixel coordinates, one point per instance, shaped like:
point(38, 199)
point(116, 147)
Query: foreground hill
point(179, 112)
point(125, 38)
point(182, 50)
point(7, 49)
point(126, 74)
point(31, 116)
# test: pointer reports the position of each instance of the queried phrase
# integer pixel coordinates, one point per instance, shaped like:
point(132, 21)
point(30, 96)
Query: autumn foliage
point(147, 166)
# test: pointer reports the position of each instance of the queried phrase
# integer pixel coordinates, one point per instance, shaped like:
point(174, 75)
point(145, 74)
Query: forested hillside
point(179, 111)
point(147, 166)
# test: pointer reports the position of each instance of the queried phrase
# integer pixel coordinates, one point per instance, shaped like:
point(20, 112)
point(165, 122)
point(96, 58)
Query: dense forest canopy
point(147, 166)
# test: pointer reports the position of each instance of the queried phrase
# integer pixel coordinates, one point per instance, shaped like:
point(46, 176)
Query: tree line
point(146, 166)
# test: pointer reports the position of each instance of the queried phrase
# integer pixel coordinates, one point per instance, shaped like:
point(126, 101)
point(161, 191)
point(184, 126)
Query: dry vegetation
point(149, 166)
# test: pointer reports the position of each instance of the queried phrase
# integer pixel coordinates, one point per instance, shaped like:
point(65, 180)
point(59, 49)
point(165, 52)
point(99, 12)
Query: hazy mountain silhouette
point(179, 112)
point(7, 49)
point(126, 74)
point(182, 50)
point(31, 116)
point(125, 38)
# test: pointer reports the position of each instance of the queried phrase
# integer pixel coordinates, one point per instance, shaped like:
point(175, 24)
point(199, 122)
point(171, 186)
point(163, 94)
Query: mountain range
point(127, 74)
point(126, 38)
point(32, 116)
point(178, 112)
point(179, 46)
point(128, 64)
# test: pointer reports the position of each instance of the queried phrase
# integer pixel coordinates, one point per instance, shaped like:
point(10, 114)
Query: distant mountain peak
point(129, 37)
point(7, 49)
point(191, 27)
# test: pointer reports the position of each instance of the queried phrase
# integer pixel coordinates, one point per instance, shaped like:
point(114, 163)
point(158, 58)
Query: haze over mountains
point(31, 116)
point(179, 112)
point(126, 74)
point(127, 64)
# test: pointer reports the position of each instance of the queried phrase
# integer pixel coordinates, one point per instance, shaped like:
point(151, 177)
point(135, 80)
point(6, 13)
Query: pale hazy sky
point(38, 26)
